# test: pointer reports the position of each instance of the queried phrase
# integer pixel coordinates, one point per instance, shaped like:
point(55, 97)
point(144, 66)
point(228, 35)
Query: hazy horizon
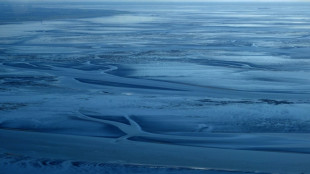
point(148, 1)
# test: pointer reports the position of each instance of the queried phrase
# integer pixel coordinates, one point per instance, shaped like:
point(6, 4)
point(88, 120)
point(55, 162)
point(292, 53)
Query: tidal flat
point(159, 88)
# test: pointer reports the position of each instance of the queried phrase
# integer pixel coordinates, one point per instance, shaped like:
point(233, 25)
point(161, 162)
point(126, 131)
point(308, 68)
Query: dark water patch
point(73, 126)
point(78, 163)
point(221, 102)
point(165, 124)
point(215, 143)
point(84, 67)
point(11, 106)
point(24, 77)
point(260, 101)
point(23, 80)
point(275, 102)
point(281, 149)
point(123, 85)
point(119, 119)
point(90, 68)
point(151, 140)
point(219, 142)
point(3, 89)
point(28, 66)
point(199, 126)
point(122, 71)
point(268, 79)
point(240, 144)
point(233, 64)
point(9, 14)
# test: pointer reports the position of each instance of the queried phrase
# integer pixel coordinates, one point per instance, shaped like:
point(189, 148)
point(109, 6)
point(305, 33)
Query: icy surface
point(213, 75)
